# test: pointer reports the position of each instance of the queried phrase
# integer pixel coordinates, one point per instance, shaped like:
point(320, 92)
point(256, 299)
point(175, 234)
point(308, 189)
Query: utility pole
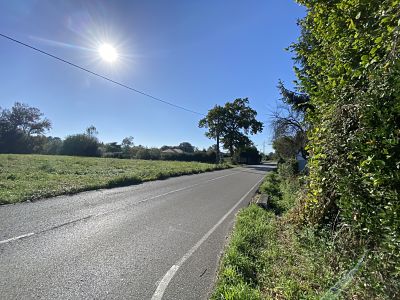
point(217, 133)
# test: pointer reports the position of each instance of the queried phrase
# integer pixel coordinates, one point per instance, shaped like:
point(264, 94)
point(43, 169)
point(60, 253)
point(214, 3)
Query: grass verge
point(273, 256)
point(31, 177)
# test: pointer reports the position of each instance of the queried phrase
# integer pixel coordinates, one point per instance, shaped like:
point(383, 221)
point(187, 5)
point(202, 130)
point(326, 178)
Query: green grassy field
point(31, 177)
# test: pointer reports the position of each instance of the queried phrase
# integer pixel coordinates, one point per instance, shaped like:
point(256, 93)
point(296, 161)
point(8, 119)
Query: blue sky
point(193, 53)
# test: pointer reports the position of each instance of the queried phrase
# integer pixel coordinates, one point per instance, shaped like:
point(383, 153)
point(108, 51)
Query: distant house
point(174, 150)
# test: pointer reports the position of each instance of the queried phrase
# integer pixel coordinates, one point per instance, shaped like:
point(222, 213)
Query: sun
point(108, 53)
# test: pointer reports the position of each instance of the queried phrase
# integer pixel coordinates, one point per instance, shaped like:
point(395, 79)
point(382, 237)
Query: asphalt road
point(160, 239)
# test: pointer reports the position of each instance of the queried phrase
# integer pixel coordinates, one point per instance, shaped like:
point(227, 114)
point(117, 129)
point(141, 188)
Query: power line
point(101, 76)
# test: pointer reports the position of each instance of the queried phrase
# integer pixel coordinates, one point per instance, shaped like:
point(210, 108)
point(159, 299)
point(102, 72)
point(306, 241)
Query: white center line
point(162, 286)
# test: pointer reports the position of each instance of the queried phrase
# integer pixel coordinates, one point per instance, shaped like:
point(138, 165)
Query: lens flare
point(108, 53)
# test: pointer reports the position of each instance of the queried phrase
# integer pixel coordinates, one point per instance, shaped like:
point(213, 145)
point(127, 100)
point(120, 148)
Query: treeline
point(22, 131)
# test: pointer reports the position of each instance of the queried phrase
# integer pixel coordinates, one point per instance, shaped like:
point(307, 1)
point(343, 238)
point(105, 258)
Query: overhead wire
point(101, 76)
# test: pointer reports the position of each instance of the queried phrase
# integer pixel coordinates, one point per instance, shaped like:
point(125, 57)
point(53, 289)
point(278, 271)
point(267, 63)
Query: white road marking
point(17, 238)
point(113, 210)
point(162, 286)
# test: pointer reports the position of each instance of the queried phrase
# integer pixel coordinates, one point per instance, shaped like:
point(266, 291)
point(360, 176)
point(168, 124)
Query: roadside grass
point(241, 264)
point(31, 177)
point(270, 256)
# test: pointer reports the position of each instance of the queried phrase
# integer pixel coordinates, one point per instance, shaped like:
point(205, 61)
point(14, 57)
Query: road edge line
point(162, 286)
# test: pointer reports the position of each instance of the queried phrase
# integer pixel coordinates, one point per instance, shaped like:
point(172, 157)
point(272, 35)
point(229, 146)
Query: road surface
point(160, 239)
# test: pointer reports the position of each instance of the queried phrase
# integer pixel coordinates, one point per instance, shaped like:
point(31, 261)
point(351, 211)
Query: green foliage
point(289, 170)
point(30, 177)
point(289, 125)
point(127, 142)
point(91, 131)
point(238, 277)
point(298, 101)
point(27, 119)
point(286, 147)
point(272, 156)
point(52, 146)
point(200, 156)
point(112, 147)
point(272, 257)
point(232, 122)
point(21, 129)
point(348, 63)
point(282, 188)
point(145, 153)
point(80, 145)
point(270, 185)
point(186, 147)
point(247, 155)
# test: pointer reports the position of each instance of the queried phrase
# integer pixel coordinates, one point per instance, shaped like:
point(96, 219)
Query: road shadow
point(258, 169)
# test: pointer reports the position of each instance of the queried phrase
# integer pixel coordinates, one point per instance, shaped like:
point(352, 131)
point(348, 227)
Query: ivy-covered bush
point(348, 63)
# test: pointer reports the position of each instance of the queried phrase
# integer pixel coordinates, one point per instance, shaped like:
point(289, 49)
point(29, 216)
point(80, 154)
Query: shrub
point(349, 66)
point(80, 145)
point(143, 153)
point(206, 157)
point(53, 146)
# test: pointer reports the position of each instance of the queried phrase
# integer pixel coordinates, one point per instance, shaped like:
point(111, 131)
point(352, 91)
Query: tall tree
point(19, 127)
point(233, 122)
point(91, 131)
point(127, 142)
point(25, 118)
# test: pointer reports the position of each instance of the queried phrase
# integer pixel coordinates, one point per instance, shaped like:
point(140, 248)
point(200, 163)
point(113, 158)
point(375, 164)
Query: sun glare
point(108, 53)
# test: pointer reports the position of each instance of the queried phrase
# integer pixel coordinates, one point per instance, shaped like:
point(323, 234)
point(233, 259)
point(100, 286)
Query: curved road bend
point(157, 240)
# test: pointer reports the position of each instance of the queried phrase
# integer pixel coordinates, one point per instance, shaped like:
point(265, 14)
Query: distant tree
point(247, 155)
point(186, 147)
point(112, 147)
point(127, 142)
point(91, 131)
point(18, 126)
point(81, 145)
point(212, 148)
point(271, 156)
point(37, 143)
point(52, 146)
point(155, 153)
point(289, 124)
point(28, 119)
point(143, 153)
point(85, 144)
point(11, 140)
point(233, 122)
point(165, 147)
point(286, 147)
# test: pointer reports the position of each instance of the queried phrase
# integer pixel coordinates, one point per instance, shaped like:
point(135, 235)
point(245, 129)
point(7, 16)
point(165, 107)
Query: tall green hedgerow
point(348, 63)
